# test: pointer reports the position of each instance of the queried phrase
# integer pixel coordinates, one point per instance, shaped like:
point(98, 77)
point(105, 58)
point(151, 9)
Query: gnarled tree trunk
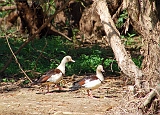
point(144, 18)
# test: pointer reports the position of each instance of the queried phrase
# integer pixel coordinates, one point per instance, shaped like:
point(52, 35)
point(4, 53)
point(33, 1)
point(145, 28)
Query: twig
point(27, 71)
point(17, 61)
point(60, 33)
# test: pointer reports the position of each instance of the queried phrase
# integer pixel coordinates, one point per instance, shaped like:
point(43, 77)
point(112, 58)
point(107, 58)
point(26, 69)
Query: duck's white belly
point(55, 78)
point(92, 84)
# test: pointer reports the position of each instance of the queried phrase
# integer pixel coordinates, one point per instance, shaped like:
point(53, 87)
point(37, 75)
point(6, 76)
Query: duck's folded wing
point(43, 79)
point(53, 72)
point(81, 83)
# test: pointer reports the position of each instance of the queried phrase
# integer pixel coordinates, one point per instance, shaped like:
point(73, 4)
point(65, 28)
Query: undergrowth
point(44, 54)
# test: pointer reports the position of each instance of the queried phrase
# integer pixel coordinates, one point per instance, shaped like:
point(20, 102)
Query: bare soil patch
point(28, 101)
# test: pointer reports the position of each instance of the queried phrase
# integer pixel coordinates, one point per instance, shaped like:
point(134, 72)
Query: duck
point(90, 82)
point(54, 76)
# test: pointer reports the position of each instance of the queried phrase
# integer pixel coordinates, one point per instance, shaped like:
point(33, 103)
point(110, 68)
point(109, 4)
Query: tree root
point(150, 96)
point(148, 99)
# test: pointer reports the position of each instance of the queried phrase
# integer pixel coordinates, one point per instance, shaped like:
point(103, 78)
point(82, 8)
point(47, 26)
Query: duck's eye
point(68, 59)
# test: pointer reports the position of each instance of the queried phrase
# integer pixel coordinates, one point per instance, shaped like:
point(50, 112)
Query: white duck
point(90, 82)
point(55, 75)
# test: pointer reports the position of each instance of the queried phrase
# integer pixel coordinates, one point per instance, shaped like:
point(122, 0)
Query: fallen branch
point(150, 96)
point(5, 87)
point(21, 47)
point(17, 61)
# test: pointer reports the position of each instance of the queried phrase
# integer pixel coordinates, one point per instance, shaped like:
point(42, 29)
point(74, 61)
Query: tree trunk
point(31, 17)
point(124, 61)
point(144, 18)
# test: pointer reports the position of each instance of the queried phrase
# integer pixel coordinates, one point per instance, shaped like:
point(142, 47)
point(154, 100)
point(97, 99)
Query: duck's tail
point(75, 86)
point(35, 82)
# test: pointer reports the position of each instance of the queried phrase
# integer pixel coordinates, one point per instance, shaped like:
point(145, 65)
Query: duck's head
point(68, 59)
point(63, 62)
point(99, 72)
point(100, 68)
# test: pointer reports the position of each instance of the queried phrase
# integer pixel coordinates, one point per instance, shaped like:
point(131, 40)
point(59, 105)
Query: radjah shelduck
point(55, 75)
point(90, 82)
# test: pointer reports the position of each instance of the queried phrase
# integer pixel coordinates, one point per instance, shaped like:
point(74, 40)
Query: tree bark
point(124, 61)
point(144, 19)
point(29, 16)
point(5, 8)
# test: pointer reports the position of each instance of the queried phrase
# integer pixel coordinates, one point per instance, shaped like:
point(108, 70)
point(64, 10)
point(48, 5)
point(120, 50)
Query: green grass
point(46, 53)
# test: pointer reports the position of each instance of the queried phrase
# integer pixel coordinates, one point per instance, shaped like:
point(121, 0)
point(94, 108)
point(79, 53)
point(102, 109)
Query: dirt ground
point(29, 101)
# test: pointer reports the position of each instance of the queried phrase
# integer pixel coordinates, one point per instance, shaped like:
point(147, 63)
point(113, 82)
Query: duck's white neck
point(99, 75)
point(62, 66)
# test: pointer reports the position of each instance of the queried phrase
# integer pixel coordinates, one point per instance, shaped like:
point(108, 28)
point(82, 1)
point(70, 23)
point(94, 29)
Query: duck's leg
point(42, 91)
point(47, 88)
point(41, 88)
point(59, 86)
point(90, 93)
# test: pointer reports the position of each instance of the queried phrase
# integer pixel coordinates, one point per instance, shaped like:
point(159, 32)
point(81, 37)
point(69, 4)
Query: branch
point(5, 8)
point(60, 33)
point(17, 61)
point(27, 71)
point(20, 48)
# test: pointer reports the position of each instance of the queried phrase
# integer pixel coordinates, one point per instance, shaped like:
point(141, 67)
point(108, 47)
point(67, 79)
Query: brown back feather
point(48, 74)
point(91, 78)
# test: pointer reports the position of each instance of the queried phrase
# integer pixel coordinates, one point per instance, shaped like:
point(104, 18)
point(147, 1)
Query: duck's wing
point(53, 72)
point(80, 83)
point(43, 79)
point(49, 74)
